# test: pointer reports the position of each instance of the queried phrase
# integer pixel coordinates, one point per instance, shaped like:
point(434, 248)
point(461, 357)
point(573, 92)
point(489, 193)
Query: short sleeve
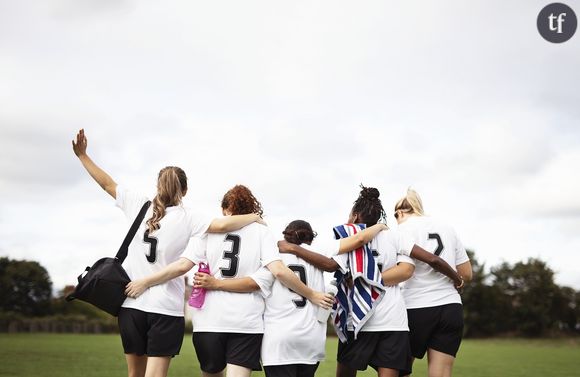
point(196, 249)
point(129, 201)
point(265, 280)
point(460, 253)
point(405, 243)
point(325, 244)
point(342, 261)
point(405, 259)
point(268, 247)
point(199, 224)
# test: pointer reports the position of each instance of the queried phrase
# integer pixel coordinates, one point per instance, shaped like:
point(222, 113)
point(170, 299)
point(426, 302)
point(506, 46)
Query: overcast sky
point(301, 101)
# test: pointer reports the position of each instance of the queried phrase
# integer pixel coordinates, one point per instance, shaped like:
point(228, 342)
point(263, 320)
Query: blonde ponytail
point(171, 187)
point(411, 203)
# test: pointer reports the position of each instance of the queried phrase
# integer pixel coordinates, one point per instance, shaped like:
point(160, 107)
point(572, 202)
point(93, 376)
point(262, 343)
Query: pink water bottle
point(198, 294)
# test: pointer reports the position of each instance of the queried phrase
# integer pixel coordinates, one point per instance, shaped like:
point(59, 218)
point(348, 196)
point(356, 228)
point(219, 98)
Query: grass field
point(59, 355)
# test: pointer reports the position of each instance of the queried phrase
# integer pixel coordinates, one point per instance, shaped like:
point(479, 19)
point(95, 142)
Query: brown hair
point(299, 232)
point(239, 200)
point(411, 203)
point(171, 187)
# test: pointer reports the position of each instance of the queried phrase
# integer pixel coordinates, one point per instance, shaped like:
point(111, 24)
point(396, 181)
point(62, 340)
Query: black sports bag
point(103, 284)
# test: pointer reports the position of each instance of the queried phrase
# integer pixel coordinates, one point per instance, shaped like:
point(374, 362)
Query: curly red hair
point(239, 200)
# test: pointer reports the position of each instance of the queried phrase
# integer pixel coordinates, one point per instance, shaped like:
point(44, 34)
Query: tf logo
point(557, 22)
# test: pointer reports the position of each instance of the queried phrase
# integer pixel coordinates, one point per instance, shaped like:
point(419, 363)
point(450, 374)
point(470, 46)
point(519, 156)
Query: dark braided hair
point(368, 206)
point(299, 232)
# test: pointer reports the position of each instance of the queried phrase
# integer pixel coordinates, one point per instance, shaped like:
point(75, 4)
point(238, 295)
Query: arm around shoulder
point(398, 274)
point(237, 285)
point(317, 260)
point(231, 223)
point(363, 237)
point(436, 263)
point(290, 280)
point(171, 271)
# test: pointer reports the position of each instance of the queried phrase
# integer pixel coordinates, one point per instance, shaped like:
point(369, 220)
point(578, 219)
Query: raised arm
point(437, 263)
point(317, 260)
point(290, 280)
point(99, 175)
point(231, 223)
point(238, 285)
point(363, 237)
point(171, 271)
point(398, 274)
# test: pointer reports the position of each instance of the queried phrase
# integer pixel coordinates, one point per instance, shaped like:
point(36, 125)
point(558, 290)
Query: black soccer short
point(438, 327)
point(383, 349)
point(215, 350)
point(291, 370)
point(150, 334)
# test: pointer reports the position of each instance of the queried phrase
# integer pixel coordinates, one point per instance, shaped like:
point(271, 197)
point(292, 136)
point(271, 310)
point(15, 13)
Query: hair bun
point(369, 192)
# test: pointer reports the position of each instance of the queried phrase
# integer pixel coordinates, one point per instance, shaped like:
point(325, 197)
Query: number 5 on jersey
point(152, 241)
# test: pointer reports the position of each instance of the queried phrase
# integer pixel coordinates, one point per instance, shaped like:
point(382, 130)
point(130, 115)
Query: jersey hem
point(393, 329)
point(228, 330)
point(288, 362)
point(155, 310)
point(433, 305)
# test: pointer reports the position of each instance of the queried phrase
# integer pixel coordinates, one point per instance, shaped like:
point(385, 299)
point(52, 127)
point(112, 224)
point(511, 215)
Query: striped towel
point(367, 291)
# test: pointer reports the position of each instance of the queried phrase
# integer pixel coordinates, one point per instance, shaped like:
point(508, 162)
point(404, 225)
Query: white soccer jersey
point(428, 287)
point(292, 334)
point(390, 314)
point(233, 255)
point(150, 253)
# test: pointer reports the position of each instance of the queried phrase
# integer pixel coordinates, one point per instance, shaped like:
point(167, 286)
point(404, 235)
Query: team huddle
point(397, 289)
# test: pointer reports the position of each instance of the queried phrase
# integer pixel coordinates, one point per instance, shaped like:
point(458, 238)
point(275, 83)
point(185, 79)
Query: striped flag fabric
point(360, 288)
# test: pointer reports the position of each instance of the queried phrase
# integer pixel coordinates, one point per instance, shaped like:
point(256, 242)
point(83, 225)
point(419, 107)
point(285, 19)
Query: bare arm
point(317, 260)
point(290, 280)
point(397, 274)
point(464, 270)
point(99, 175)
point(346, 245)
point(437, 264)
point(361, 238)
point(238, 285)
point(171, 271)
point(231, 223)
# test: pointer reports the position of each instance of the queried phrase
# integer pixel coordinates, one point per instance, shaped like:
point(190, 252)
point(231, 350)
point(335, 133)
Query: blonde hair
point(171, 187)
point(411, 203)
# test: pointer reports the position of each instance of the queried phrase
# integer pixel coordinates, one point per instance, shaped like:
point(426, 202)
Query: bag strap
point(124, 249)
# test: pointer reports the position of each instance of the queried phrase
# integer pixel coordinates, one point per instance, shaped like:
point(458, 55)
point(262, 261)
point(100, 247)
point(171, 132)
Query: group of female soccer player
point(263, 296)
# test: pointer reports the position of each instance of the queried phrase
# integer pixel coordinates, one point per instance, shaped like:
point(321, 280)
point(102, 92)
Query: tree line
point(519, 299)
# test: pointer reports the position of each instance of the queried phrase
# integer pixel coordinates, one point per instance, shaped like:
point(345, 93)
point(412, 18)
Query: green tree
point(485, 306)
point(566, 310)
point(25, 287)
point(532, 293)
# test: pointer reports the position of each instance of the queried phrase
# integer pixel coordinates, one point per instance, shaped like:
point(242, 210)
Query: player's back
point(428, 287)
point(292, 333)
point(234, 255)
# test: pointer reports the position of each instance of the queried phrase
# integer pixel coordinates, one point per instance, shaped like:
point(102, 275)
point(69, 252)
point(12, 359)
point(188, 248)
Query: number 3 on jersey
point(232, 256)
